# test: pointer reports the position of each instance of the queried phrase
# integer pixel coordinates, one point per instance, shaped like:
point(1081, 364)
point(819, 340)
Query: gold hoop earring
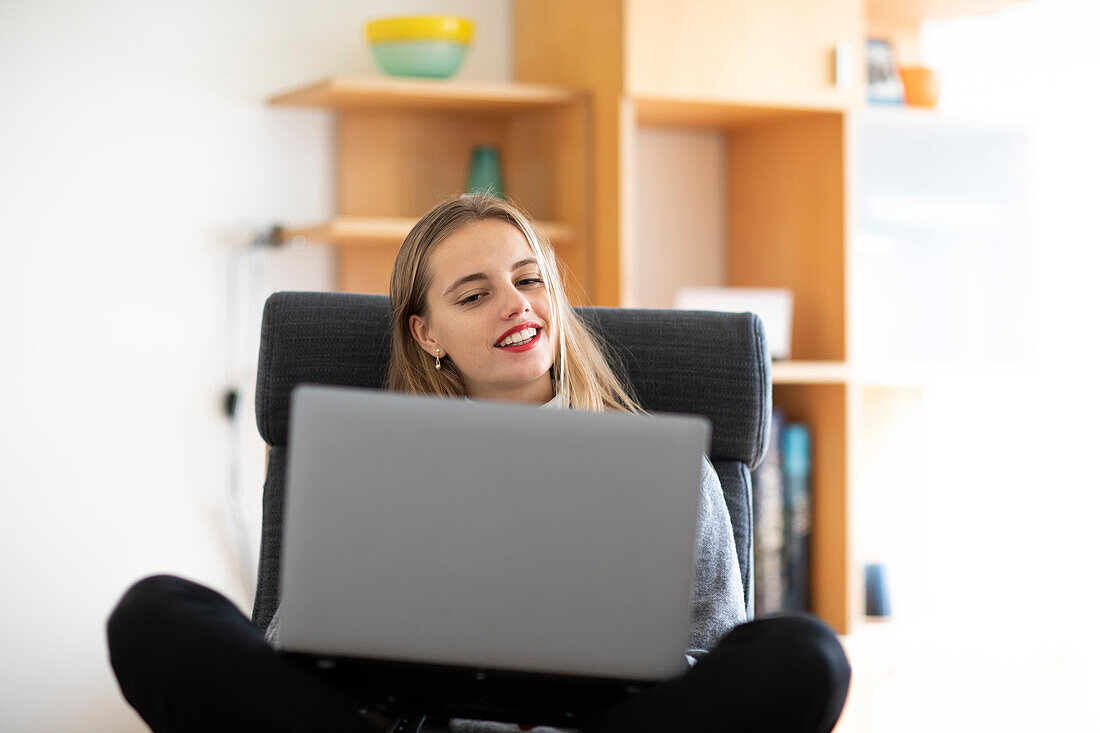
point(437, 364)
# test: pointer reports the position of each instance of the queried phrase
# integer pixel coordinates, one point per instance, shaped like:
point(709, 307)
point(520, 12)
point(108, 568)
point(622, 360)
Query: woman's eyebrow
point(482, 276)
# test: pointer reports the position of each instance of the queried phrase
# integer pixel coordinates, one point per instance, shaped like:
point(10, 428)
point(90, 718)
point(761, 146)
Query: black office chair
point(698, 362)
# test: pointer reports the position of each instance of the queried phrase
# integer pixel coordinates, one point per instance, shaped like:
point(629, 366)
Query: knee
point(143, 599)
point(798, 654)
point(814, 662)
point(142, 611)
point(820, 649)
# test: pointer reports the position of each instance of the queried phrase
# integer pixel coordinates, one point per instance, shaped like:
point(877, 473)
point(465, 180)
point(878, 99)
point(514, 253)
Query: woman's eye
point(527, 281)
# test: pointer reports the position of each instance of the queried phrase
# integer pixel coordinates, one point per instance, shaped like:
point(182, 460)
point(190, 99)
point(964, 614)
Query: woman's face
point(486, 293)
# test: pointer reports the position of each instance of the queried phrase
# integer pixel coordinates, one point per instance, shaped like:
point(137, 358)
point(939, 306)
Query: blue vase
point(485, 172)
point(877, 600)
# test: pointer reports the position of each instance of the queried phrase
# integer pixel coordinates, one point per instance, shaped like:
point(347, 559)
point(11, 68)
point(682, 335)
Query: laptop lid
point(489, 535)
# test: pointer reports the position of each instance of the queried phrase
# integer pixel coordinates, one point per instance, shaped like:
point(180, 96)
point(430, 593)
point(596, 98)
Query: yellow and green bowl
point(420, 45)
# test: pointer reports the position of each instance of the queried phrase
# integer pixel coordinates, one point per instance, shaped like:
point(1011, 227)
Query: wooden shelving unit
point(777, 81)
point(404, 145)
point(778, 106)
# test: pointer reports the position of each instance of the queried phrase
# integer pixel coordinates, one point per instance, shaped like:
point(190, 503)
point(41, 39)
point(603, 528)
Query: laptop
point(486, 560)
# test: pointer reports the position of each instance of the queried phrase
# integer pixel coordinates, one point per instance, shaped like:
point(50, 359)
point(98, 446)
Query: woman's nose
point(515, 303)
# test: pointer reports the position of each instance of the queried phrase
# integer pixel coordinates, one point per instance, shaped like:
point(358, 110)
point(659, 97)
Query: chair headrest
point(698, 362)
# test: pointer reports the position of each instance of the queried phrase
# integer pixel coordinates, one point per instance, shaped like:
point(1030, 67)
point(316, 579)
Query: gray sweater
point(717, 600)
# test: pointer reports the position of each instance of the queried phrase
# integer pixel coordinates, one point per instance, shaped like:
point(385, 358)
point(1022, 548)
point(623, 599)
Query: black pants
point(188, 660)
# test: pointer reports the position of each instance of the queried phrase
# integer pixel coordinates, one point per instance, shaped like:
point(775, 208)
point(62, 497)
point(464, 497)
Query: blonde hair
point(581, 373)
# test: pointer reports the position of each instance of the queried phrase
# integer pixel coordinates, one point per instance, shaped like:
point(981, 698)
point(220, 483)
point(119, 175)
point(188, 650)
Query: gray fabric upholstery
point(698, 362)
point(271, 539)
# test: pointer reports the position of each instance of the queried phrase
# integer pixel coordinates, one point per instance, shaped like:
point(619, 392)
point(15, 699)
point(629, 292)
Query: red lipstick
point(520, 327)
point(526, 346)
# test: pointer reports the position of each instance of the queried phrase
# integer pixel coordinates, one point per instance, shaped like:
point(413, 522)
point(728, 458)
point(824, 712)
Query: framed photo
point(883, 80)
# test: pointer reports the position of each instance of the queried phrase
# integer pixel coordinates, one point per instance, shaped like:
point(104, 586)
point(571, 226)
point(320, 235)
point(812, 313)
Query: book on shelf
point(795, 450)
point(782, 519)
point(767, 523)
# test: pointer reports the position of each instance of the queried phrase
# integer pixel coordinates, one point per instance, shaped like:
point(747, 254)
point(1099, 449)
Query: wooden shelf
point(892, 377)
point(899, 21)
point(810, 372)
point(672, 112)
point(381, 93)
point(378, 230)
point(839, 372)
point(934, 9)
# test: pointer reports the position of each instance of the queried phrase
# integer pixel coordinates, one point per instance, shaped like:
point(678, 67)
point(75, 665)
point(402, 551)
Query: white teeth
point(524, 335)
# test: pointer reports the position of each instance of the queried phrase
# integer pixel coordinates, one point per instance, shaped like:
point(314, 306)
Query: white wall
point(1007, 637)
point(1017, 449)
point(137, 160)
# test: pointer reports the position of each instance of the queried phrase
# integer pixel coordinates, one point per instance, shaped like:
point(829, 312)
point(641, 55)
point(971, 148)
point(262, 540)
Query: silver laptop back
point(488, 534)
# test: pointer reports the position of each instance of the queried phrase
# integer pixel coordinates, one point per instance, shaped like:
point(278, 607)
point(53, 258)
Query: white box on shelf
point(773, 305)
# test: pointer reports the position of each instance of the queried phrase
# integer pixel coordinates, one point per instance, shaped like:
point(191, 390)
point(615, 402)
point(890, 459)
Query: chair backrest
point(697, 362)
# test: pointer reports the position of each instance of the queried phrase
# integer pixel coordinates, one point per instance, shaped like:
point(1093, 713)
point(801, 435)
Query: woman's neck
point(535, 393)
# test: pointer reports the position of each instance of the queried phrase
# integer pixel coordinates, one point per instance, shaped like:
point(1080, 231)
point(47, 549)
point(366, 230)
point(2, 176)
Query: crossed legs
point(187, 659)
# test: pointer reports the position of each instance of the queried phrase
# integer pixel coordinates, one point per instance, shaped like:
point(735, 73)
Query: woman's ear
point(420, 331)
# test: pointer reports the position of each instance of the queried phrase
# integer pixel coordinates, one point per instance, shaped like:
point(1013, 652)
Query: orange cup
point(921, 87)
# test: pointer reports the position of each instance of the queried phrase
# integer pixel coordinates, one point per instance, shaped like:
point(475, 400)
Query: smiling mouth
point(523, 344)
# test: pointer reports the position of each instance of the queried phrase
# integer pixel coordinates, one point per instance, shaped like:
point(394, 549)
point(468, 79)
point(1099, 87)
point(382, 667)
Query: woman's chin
point(525, 378)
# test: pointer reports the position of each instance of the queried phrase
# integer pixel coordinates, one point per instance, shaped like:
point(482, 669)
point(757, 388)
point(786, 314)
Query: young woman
point(479, 311)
